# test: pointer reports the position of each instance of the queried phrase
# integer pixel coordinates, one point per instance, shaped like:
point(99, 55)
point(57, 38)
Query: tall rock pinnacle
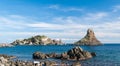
point(89, 39)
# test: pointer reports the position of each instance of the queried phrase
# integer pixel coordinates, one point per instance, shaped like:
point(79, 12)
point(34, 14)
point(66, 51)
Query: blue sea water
point(107, 54)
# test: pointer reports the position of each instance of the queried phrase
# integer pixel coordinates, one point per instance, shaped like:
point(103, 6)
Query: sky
point(60, 19)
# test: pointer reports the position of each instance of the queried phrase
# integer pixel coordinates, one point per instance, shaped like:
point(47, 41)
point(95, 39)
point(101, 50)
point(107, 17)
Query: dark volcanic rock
point(50, 63)
point(76, 64)
point(77, 53)
point(39, 55)
point(89, 39)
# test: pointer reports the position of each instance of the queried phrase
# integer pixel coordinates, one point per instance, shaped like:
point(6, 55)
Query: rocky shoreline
point(6, 61)
point(75, 54)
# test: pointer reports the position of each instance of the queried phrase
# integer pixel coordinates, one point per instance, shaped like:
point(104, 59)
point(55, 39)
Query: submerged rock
point(89, 39)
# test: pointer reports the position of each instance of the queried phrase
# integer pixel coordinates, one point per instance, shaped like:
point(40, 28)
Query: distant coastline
point(89, 40)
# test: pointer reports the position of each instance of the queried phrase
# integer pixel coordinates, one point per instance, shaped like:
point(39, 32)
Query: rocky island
point(6, 60)
point(37, 40)
point(89, 39)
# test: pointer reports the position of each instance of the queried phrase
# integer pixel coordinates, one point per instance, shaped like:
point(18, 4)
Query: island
point(5, 45)
point(38, 40)
point(89, 39)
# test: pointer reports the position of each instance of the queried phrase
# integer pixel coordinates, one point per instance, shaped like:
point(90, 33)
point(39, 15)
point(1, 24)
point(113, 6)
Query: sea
point(106, 54)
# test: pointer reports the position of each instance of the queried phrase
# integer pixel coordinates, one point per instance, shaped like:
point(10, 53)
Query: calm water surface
point(107, 54)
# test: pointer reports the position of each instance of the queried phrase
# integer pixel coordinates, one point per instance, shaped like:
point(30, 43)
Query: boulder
point(51, 55)
point(64, 55)
point(76, 64)
point(6, 56)
point(3, 60)
point(39, 55)
point(77, 53)
point(50, 63)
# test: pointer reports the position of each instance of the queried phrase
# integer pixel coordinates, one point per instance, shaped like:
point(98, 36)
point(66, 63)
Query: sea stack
point(89, 39)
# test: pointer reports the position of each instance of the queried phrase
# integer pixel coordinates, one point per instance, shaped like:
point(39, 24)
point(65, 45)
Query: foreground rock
point(39, 55)
point(89, 39)
point(75, 53)
point(76, 64)
point(7, 57)
point(4, 61)
point(7, 62)
point(37, 40)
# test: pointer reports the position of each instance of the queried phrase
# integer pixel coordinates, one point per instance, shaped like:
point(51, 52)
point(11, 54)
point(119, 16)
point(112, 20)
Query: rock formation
point(6, 60)
point(89, 39)
point(76, 53)
point(39, 55)
point(37, 40)
point(76, 64)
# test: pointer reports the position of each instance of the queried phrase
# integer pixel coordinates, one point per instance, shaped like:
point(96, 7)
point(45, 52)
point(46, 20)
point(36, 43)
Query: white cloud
point(54, 6)
point(13, 22)
point(65, 9)
point(71, 28)
point(116, 8)
point(44, 25)
point(95, 16)
point(17, 16)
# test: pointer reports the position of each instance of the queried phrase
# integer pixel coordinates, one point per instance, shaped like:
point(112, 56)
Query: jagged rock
point(7, 57)
point(3, 60)
point(37, 40)
point(50, 63)
point(78, 53)
point(76, 64)
point(75, 53)
point(51, 55)
point(64, 55)
point(39, 55)
point(89, 39)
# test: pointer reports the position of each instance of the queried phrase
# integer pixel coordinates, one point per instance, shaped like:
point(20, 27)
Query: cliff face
point(89, 39)
point(37, 40)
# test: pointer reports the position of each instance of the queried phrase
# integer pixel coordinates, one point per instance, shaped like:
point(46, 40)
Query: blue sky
point(60, 19)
